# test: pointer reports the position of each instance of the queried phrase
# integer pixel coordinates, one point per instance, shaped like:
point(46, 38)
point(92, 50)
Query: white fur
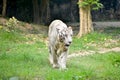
point(58, 50)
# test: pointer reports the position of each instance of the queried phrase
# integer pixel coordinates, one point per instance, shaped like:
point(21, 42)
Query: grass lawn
point(23, 58)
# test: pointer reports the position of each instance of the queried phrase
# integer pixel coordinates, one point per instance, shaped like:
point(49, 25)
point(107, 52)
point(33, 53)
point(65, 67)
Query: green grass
point(26, 59)
point(100, 66)
point(92, 38)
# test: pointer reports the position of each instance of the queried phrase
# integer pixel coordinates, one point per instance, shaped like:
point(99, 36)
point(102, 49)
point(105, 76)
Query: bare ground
point(100, 24)
point(90, 52)
point(97, 25)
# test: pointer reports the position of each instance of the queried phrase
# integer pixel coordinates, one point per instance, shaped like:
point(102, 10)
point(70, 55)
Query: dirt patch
point(97, 26)
point(3, 21)
point(90, 52)
point(104, 50)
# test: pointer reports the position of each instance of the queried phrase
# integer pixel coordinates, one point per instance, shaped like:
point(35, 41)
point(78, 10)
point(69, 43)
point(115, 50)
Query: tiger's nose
point(70, 42)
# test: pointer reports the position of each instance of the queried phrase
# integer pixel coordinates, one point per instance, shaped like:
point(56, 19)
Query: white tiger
point(60, 38)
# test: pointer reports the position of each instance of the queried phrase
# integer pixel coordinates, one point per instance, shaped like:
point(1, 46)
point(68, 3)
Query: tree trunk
point(36, 15)
point(72, 8)
point(4, 8)
point(45, 11)
point(48, 13)
point(85, 20)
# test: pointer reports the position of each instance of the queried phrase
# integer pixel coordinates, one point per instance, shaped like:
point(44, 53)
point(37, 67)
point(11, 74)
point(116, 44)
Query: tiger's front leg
point(62, 60)
point(53, 58)
point(55, 61)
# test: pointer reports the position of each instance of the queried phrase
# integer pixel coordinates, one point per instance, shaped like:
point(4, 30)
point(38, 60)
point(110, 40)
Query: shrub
point(12, 24)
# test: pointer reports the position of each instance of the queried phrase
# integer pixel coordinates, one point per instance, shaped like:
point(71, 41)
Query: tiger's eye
point(66, 35)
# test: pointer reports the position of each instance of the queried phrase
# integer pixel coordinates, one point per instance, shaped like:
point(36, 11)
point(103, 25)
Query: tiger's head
point(65, 36)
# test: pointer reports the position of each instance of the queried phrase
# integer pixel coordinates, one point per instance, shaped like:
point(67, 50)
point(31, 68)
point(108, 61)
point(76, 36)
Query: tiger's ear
point(70, 27)
point(70, 30)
